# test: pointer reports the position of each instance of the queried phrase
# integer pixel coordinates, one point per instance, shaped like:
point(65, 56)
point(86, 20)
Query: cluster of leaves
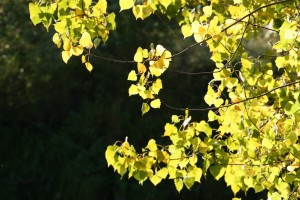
point(178, 160)
point(251, 135)
point(79, 24)
point(159, 59)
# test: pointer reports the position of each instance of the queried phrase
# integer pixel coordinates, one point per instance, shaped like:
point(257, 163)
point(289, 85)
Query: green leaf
point(189, 181)
point(142, 11)
point(96, 42)
point(141, 176)
point(145, 108)
point(217, 171)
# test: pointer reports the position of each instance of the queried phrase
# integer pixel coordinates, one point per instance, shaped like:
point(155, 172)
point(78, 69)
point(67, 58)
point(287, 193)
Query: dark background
point(56, 120)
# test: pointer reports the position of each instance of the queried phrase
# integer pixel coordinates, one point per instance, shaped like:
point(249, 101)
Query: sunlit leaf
point(35, 11)
point(133, 90)
point(89, 66)
point(126, 4)
point(132, 76)
point(178, 184)
point(186, 30)
point(138, 57)
point(66, 55)
point(86, 40)
point(155, 103)
point(145, 108)
point(110, 155)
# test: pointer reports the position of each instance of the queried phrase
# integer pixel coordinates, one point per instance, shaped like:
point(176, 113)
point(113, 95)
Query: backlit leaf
point(141, 68)
point(145, 108)
point(35, 11)
point(165, 3)
point(89, 66)
point(126, 4)
point(155, 103)
point(110, 155)
point(186, 30)
point(138, 57)
point(132, 76)
point(133, 90)
point(66, 55)
point(152, 145)
point(86, 40)
point(178, 184)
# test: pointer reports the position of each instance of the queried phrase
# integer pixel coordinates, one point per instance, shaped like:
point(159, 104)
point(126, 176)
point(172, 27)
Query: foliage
point(250, 136)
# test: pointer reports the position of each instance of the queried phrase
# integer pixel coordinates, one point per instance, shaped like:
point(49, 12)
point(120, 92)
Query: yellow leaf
point(110, 155)
point(219, 102)
point(86, 40)
point(133, 90)
point(178, 184)
point(199, 31)
point(126, 4)
point(66, 55)
point(83, 59)
point(207, 11)
point(152, 145)
point(237, 1)
point(155, 103)
point(170, 129)
point(57, 40)
point(186, 30)
point(89, 66)
point(138, 56)
point(157, 85)
point(35, 11)
point(280, 62)
point(60, 27)
point(132, 76)
point(145, 53)
point(202, 32)
point(165, 3)
point(77, 50)
point(246, 63)
point(102, 6)
point(141, 68)
point(155, 179)
point(67, 44)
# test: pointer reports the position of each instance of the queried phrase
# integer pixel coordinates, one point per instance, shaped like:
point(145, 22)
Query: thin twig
point(229, 105)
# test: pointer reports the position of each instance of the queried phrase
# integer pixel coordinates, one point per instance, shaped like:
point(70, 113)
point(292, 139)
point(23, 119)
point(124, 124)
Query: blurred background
point(57, 119)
